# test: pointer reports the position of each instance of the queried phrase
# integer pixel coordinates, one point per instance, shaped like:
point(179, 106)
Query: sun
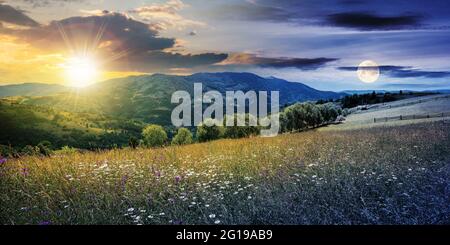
point(81, 71)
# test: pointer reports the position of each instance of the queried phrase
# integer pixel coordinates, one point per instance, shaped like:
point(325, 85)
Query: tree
point(154, 135)
point(235, 131)
point(183, 137)
point(208, 133)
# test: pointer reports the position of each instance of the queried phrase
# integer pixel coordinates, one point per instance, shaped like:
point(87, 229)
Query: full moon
point(368, 71)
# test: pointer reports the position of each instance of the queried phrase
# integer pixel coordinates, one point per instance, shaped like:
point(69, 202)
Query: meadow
point(384, 174)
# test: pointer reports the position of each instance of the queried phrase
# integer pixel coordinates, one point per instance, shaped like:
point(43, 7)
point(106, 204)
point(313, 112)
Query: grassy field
point(380, 175)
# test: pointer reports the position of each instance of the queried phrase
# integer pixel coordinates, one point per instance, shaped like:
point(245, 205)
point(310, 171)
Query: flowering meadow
point(379, 175)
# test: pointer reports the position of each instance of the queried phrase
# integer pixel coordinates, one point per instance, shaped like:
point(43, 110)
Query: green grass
point(380, 175)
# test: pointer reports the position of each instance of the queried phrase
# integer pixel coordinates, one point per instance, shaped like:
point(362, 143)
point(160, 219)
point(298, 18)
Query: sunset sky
point(316, 42)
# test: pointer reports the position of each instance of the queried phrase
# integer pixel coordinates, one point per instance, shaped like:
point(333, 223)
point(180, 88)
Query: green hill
point(109, 112)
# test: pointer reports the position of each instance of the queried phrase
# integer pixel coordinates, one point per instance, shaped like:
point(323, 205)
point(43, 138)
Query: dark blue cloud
point(359, 14)
point(402, 72)
point(299, 63)
point(368, 21)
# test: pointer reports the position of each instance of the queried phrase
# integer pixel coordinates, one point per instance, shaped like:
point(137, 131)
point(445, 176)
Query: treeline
point(354, 100)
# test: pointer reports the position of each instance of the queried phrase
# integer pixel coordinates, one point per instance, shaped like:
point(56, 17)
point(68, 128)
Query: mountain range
point(147, 97)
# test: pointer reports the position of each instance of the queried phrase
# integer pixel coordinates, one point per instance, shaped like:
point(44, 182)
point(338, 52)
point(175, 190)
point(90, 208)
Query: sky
point(316, 42)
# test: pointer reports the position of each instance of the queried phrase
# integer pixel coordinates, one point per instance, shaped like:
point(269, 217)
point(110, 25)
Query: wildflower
point(130, 210)
point(249, 197)
point(162, 214)
point(217, 222)
point(177, 179)
point(176, 222)
point(157, 173)
point(25, 172)
point(45, 223)
point(2, 161)
point(212, 216)
point(124, 180)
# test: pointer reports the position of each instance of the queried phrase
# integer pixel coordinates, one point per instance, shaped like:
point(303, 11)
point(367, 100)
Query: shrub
point(207, 133)
point(183, 137)
point(154, 135)
point(7, 151)
point(133, 142)
point(235, 132)
point(30, 150)
point(45, 148)
point(67, 150)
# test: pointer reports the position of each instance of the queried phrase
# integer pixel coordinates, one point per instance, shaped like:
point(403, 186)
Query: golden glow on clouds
point(22, 63)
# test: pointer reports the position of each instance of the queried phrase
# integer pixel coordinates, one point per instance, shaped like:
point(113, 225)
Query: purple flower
point(157, 173)
point(2, 161)
point(25, 172)
point(123, 181)
point(177, 222)
point(177, 179)
point(45, 223)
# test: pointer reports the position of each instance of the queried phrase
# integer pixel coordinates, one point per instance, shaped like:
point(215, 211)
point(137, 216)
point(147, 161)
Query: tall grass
point(384, 175)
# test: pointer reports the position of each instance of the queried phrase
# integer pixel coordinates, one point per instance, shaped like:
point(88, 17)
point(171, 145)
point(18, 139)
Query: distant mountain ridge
point(32, 89)
point(290, 91)
point(147, 97)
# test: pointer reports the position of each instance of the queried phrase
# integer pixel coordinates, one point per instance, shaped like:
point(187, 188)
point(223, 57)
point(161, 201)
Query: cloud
point(124, 44)
point(14, 16)
point(363, 15)
point(47, 3)
point(403, 72)
point(112, 31)
point(159, 61)
point(419, 86)
point(279, 62)
point(166, 15)
point(367, 21)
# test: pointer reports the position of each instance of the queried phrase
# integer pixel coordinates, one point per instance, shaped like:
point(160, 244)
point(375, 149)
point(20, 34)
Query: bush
point(183, 137)
point(67, 150)
point(154, 136)
point(133, 142)
point(207, 133)
point(235, 132)
point(30, 150)
point(45, 148)
point(7, 151)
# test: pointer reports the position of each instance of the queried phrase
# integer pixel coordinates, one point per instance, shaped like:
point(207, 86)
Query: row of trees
point(297, 117)
point(155, 135)
point(302, 116)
